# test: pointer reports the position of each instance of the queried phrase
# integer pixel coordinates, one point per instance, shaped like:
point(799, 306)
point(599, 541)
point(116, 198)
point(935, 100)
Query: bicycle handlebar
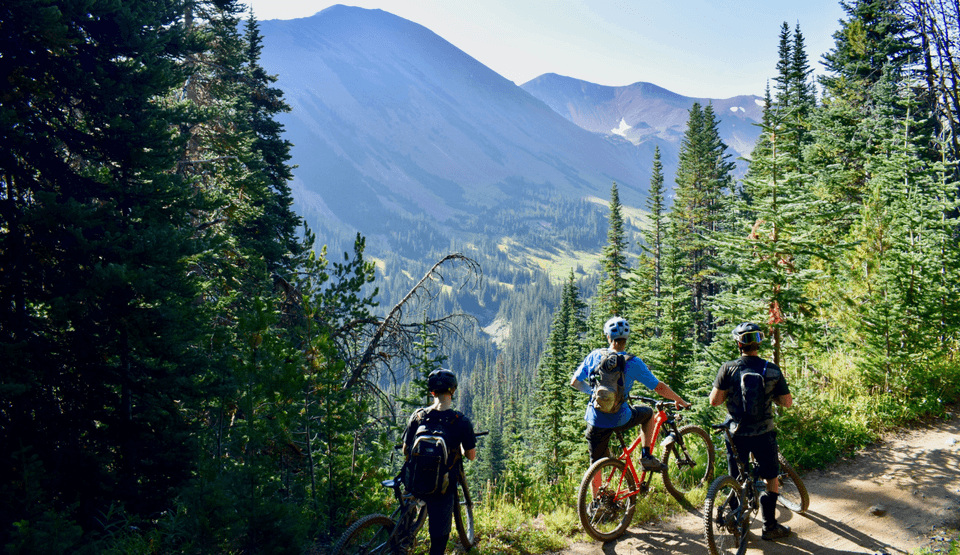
point(660, 405)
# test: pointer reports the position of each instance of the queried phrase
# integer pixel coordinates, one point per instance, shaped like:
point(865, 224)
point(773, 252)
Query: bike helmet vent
point(616, 327)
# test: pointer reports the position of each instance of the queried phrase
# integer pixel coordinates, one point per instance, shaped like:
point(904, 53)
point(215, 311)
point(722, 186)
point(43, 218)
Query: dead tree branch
point(394, 334)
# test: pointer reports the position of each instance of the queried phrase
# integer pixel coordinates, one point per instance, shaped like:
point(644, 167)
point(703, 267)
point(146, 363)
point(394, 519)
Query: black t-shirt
point(458, 430)
point(775, 385)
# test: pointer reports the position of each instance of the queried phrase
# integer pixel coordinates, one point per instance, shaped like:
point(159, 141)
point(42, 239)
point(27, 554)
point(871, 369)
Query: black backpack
point(427, 470)
point(606, 380)
point(753, 396)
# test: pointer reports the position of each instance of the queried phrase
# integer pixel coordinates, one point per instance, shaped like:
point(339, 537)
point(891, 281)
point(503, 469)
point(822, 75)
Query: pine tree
point(556, 442)
point(98, 324)
point(784, 89)
point(611, 297)
point(704, 173)
point(647, 294)
point(903, 250)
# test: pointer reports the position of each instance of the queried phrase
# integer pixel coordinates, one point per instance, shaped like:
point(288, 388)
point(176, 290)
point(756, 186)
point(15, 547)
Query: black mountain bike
point(731, 504)
point(396, 534)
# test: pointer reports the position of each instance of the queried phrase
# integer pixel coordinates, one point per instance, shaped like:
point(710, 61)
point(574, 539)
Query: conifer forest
point(185, 368)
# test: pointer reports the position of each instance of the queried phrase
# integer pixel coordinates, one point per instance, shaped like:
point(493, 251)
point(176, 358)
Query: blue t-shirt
point(635, 371)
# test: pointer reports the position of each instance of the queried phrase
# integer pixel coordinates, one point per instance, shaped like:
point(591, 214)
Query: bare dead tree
point(937, 23)
point(393, 338)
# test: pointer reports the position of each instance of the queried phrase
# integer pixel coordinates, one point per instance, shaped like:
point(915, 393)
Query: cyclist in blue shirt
point(600, 425)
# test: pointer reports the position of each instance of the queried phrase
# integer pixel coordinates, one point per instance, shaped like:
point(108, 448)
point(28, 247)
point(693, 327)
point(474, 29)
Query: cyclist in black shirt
point(749, 403)
point(459, 437)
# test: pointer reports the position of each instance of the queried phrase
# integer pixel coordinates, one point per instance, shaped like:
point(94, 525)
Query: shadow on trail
point(656, 541)
point(838, 529)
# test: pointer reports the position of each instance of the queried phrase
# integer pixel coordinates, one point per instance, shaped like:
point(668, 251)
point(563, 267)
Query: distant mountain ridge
point(390, 119)
point(643, 112)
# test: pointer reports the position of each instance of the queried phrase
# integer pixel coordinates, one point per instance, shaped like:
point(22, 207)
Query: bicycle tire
point(793, 492)
point(692, 456)
point(726, 518)
point(610, 517)
point(367, 536)
point(463, 516)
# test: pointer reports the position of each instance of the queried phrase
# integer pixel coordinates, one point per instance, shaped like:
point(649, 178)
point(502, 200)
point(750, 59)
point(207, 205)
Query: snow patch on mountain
point(622, 131)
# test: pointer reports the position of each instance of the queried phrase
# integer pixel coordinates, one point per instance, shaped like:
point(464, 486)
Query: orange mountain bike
point(610, 488)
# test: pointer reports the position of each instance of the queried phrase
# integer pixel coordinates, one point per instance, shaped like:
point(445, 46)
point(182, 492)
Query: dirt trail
point(891, 498)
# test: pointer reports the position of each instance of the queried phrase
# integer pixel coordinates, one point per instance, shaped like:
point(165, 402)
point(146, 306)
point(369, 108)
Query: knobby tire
point(610, 518)
point(726, 520)
point(463, 516)
point(367, 536)
point(691, 466)
point(793, 492)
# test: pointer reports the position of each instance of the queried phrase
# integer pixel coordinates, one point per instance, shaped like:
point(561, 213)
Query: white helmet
point(616, 327)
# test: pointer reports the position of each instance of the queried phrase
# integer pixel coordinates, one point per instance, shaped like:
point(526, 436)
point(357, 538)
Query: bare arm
point(785, 401)
point(581, 386)
point(717, 397)
point(664, 391)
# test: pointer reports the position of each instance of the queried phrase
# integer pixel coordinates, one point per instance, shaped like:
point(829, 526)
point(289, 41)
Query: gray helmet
point(616, 327)
point(747, 333)
point(441, 381)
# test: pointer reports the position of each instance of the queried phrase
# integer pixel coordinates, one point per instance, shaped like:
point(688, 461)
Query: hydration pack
point(427, 470)
point(753, 396)
point(607, 382)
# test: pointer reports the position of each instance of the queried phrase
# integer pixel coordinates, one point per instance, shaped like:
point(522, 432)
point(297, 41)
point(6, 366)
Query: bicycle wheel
point(367, 536)
point(604, 511)
point(688, 462)
point(463, 516)
point(726, 519)
point(793, 493)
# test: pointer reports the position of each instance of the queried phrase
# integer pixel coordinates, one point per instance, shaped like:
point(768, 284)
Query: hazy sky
point(698, 48)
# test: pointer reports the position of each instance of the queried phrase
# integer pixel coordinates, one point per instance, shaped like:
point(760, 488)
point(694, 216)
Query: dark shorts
point(599, 438)
point(440, 513)
point(764, 448)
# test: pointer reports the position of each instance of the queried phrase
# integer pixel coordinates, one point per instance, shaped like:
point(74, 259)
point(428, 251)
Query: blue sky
point(697, 48)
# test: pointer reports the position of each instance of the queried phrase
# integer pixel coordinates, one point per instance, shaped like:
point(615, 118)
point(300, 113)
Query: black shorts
point(599, 438)
point(764, 448)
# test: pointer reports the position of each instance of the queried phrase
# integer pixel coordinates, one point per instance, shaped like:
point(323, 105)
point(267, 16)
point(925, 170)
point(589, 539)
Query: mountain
point(389, 120)
point(643, 113)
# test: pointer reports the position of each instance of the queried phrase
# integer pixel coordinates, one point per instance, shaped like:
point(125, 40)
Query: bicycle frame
point(659, 419)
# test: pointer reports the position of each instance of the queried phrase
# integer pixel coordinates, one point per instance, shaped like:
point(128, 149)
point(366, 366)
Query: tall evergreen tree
point(556, 399)
point(903, 228)
point(98, 323)
point(704, 173)
point(654, 235)
point(613, 285)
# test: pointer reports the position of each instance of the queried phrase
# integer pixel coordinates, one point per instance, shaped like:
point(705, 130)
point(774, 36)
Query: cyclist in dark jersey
point(754, 431)
point(459, 437)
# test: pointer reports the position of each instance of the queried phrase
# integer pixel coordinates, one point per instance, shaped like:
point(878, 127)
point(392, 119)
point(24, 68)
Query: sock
point(645, 452)
point(768, 509)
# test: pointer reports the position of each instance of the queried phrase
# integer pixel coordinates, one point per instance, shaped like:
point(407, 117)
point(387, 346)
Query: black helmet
point(747, 333)
point(441, 381)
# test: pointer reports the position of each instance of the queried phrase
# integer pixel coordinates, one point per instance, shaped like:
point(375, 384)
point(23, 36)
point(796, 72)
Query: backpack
point(607, 382)
point(753, 396)
point(427, 470)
